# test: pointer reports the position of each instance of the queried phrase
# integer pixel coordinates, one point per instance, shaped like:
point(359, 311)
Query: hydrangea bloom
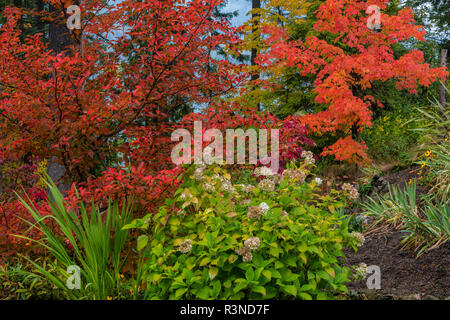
point(254, 212)
point(263, 171)
point(185, 246)
point(361, 271)
point(353, 193)
point(298, 175)
point(267, 185)
point(264, 207)
point(359, 238)
point(252, 243)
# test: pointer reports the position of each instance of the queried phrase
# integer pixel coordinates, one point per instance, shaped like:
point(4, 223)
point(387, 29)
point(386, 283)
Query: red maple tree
point(349, 64)
point(101, 107)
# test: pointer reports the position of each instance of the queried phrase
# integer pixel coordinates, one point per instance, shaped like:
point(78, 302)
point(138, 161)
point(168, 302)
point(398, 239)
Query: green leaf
point(239, 286)
point(267, 274)
point(142, 242)
point(232, 258)
point(216, 288)
point(322, 296)
point(204, 261)
point(213, 271)
point(290, 290)
point(306, 287)
point(250, 274)
point(304, 296)
point(260, 289)
point(203, 293)
point(180, 292)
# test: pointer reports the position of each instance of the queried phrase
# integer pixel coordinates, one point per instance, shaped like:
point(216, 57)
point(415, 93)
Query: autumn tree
point(265, 13)
point(109, 103)
point(347, 64)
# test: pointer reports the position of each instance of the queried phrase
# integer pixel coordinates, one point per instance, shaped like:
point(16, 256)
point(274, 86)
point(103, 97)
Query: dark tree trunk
point(256, 4)
point(443, 91)
point(38, 5)
point(59, 35)
point(60, 40)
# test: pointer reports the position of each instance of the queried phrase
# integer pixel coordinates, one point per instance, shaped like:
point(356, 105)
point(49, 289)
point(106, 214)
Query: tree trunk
point(256, 4)
point(38, 5)
point(60, 39)
point(443, 91)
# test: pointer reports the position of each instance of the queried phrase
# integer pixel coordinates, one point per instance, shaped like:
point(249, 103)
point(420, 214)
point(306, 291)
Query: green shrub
point(390, 138)
point(427, 225)
point(279, 238)
point(93, 241)
point(433, 125)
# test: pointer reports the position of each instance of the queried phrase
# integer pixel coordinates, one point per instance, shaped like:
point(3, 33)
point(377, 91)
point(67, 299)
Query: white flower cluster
point(358, 237)
point(266, 185)
point(297, 175)
point(263, 171)
point(264, 207)
point(318, 181)
point(249, 245)
point(277, 178)
point(361, 271)
point(185, 246)
point(309, 157)
point(225, 184)
point(246, 188)
point(208, 158)
point(353, 193)
point(185, 196)
point(252, 243)
point(209, 187)
point(198, 173)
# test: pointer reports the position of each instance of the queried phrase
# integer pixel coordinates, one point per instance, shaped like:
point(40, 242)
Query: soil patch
point(402, 274)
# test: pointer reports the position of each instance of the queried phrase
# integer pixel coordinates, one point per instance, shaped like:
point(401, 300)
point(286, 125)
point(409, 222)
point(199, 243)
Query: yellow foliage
point(275, 13)
point(41, 171)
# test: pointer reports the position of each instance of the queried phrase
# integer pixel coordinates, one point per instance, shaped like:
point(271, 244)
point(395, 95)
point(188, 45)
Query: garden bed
point(403, 276)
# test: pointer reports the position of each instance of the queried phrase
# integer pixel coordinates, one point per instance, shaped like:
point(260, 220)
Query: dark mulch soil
point(403, 276)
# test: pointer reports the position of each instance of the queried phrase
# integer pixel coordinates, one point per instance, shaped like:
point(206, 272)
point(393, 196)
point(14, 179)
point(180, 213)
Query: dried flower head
point(277, 178)
point(307, 154)
point(266, 185)
point(295, 175)
point(247, 256)
point(252, 243)
point(254, 212)
point(198, 174)
point(208, 187)
point(358, 237)
point(361, 271)
point(185, 246)
point(309, 157)
point(227, 186)
point(353, 193)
